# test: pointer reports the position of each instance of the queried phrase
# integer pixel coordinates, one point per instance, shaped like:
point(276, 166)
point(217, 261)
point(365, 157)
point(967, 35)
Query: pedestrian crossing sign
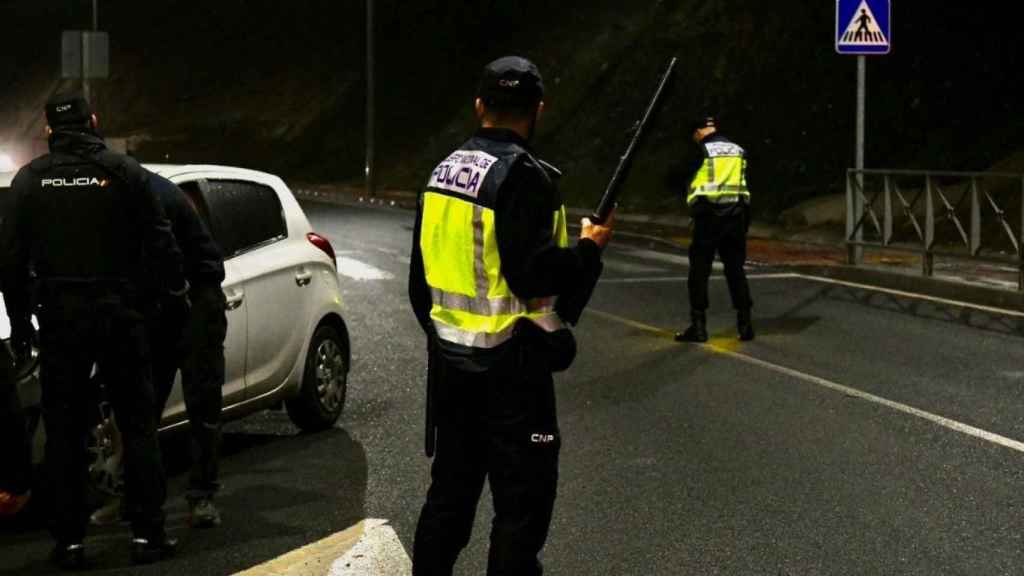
point(863, 26)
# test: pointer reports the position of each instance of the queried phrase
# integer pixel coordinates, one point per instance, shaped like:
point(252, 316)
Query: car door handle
point(303, 278)
point(235, 300)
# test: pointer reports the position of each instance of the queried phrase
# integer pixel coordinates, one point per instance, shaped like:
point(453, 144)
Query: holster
point(554, 350)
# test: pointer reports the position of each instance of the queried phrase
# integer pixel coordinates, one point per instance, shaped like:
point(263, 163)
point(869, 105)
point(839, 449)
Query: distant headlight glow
point(6, 163)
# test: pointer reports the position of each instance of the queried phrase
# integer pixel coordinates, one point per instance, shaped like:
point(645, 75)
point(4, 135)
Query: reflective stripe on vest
point(472, 303)
point(722, 178)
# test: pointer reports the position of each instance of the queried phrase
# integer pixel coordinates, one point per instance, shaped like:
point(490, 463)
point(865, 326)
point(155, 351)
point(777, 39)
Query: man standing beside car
point(83, 244)
point(193, 340)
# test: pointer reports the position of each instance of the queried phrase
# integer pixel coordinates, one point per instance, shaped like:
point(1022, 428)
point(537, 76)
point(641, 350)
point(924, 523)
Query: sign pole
point(86, 57)
point(371, 184)
point(858, 200)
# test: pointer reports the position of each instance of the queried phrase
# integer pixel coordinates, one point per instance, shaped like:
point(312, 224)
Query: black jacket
point(204, 262)
point(84, 216)
point(531, 261)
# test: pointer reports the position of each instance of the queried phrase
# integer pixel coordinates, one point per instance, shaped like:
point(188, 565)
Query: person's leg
point(202, 379)
point(702, 255)
point(165, 345)
point(125, 364)
point(16, 474)
point(457, 475)
point(733, 250)
point(522, 466)
point(65, 361)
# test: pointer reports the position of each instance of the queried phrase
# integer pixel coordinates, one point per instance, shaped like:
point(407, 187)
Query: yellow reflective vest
point(722, 178)
point(472, 304)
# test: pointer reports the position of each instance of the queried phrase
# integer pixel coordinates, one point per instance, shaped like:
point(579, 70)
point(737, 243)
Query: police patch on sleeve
point(462, 172)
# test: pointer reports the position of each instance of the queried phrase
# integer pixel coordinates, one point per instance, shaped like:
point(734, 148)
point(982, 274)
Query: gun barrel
point(611, 193)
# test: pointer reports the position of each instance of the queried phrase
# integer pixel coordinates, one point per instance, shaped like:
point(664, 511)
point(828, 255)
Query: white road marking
point(628, 266)
point(656, 256)
point(378, 553)
point(683, 279)
point(903, 294)
point(359, 270)
point(370, 548)
point(868, 287)
point(948, 423)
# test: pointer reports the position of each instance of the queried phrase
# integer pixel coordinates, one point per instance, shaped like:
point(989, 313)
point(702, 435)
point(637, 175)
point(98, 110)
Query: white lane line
point(683, 278)
point(948, 423)
point(898, 406)
point(359, 270)
point(822, 279)
point(629, 266)
point(370, 548)
point(903, 294)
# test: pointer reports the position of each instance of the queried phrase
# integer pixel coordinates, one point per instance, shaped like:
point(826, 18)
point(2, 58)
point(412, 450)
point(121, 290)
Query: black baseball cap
point(511, 81)
point(67, 108)
point(703, 121)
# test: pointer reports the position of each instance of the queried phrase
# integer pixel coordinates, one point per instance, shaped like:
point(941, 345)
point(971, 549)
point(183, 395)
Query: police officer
point(194, 342)
point(719, 204)
point(87, 226)
point(490, 258)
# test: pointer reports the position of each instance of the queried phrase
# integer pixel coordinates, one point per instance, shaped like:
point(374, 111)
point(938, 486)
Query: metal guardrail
point(972, 215)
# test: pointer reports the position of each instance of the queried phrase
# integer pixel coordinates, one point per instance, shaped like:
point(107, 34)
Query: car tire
point(321, 398)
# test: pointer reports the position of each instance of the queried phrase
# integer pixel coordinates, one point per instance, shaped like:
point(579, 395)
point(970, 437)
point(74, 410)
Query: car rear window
point(244, 215)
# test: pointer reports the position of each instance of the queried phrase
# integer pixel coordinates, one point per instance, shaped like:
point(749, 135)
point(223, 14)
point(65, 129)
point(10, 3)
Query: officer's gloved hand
point(177, 302)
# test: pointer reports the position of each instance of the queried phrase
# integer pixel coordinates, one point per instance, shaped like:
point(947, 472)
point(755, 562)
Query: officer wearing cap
point(719, 204)
point(84, 247)
point(490, 260)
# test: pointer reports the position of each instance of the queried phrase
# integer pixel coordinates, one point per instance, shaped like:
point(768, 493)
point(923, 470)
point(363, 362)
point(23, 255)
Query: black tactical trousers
point(75, 334)
point(16, 472)
point(726, 235)
point(195, 344)
point(500, 425)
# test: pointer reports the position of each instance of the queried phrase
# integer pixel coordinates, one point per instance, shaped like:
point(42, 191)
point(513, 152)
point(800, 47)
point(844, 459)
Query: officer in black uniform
point(719, 204)
point(194, 342)
point(86, 241)
point(494, 403)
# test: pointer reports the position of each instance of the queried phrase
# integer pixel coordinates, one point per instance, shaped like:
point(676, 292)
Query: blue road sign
point(863, 26)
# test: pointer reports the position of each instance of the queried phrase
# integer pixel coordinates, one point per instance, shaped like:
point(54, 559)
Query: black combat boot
point(70, 556)
point(149, 550)
point(698, 330)
point(743, 325)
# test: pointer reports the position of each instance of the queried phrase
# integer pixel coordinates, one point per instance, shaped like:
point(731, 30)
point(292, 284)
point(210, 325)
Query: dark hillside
point(280, 85)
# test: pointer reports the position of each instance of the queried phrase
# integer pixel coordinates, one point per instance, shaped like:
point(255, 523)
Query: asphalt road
point(861, 433)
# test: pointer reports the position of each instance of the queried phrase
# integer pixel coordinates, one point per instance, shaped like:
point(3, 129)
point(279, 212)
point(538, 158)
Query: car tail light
point(323, 244)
